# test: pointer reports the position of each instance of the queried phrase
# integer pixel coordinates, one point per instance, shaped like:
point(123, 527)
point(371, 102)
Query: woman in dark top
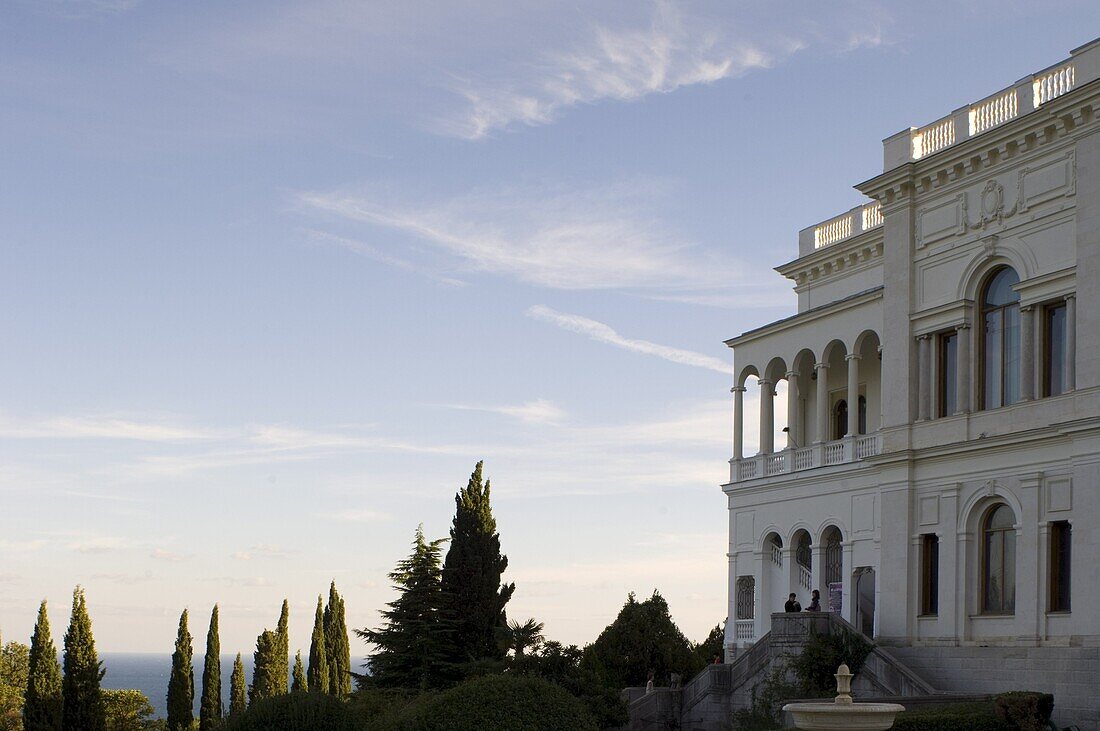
point(815, 601)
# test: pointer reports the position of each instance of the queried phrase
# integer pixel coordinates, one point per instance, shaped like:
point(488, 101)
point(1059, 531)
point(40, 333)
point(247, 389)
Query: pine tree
point(181, 683)
point(473, 595)
point(82, 705)
point(300, 685)
point(210, 708)
point(318, 657)
point(238, 699)
point(410, 652)
point(265, 682)
point(282, 660)
point(337, 648)
point(42, 705)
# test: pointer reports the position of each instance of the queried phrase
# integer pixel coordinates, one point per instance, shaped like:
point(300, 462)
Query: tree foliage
point(713, 646)
point(473, 595)
point(337, 647)
point(301, 685)
point(14, 670)
point(642, 639)
point(265, 682)
point(210, 707)
point(409, 646)
point(282, 652)
point(42, 706)
point(498, 703)
point(126, 710)
point(238, 699)
point(181, 683)
point(318, 676)
point(82, 706)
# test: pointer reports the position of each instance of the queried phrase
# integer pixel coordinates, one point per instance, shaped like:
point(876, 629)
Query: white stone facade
point(944, 361)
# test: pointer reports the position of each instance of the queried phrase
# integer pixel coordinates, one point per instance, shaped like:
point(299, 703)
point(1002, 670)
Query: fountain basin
point(844, 716)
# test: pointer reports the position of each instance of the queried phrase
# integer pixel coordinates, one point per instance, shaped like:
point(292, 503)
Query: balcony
point(837, 452)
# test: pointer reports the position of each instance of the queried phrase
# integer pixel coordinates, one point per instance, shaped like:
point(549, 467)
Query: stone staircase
point(710, 698)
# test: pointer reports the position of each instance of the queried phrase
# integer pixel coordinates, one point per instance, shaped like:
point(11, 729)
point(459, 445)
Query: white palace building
point(939, 480)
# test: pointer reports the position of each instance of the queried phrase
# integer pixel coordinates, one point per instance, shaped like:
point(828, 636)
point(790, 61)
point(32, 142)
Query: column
point(847, 601)
point(761, 617)
point(1029, 592)
point(1027, 353)
point(738, 421)
point(817, 576)
point(853, 394)
point(767, 417)
point(1071, 342)
point(924, 378)
point(822, 402)
point(794, 440)
point(962, 368)
point(730, 639)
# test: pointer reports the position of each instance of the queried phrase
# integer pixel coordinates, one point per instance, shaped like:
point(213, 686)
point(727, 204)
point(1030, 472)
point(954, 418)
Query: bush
point(296, 712)
point(1024, 710)
point(815, 667)
point(493, 703)
point(958, 717)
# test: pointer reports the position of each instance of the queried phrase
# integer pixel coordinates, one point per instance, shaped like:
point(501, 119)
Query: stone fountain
point(843, 714)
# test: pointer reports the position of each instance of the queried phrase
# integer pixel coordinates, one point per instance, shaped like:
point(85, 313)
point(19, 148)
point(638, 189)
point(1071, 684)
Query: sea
point(148, 672)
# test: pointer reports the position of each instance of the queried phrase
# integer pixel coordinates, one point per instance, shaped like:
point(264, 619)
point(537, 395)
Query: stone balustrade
point(915, 143)
point(827, 454)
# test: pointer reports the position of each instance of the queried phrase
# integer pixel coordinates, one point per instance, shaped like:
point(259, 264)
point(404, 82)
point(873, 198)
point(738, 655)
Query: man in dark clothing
point(792, 605)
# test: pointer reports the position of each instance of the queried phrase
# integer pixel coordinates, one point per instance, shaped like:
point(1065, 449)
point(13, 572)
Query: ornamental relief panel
point(993, 205)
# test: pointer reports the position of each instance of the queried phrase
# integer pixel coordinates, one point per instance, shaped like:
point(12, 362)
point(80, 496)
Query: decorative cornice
point(1072, 114)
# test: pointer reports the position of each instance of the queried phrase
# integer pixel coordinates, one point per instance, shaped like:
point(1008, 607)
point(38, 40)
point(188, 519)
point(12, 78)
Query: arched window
point(1001, 342)
point(999, 561)
point(840, 414)
point(834, 556)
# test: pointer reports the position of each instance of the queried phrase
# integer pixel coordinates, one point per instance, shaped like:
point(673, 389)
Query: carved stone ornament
point(991, 488)
point(989, 244)
point(993, 206)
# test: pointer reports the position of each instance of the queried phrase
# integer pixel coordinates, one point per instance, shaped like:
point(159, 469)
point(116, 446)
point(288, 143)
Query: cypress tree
point(300, 685)
point(181, 683)
point(42, 704)
point(265, 683)
point(238, 700)
point(318, 657)
point(282, 660)
point(337, 648)
point(210, 708)
point(82, 705)
point(409, 647)
point(473, 595)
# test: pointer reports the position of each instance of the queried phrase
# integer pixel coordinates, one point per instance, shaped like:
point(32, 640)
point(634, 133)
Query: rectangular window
point(930, 575)
point(949, 360)
point(1054, 350)
point(1060, 539)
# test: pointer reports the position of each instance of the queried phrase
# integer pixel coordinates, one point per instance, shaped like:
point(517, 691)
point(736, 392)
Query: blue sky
point(276, 275)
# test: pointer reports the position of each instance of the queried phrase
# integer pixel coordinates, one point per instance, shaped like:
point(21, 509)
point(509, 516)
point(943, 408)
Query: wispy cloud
point(578, 237)
point(373, 252)
point(101, 426)
point(539, 411)
point(624, 62)
point(261, 550)
point(603, 333)
point(161, 554)
point(357, 515)
point(97, 544)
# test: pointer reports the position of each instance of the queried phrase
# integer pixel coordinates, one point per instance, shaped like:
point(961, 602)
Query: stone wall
point(1070, 673)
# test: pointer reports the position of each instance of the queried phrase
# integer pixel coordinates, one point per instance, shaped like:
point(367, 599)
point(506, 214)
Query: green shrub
point(493, 703)
point(815, 667)
point(296, 712)
point(1025, 710)
point(957, 717)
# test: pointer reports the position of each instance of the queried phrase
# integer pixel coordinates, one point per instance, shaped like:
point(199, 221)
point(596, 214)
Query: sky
point(276, 275)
